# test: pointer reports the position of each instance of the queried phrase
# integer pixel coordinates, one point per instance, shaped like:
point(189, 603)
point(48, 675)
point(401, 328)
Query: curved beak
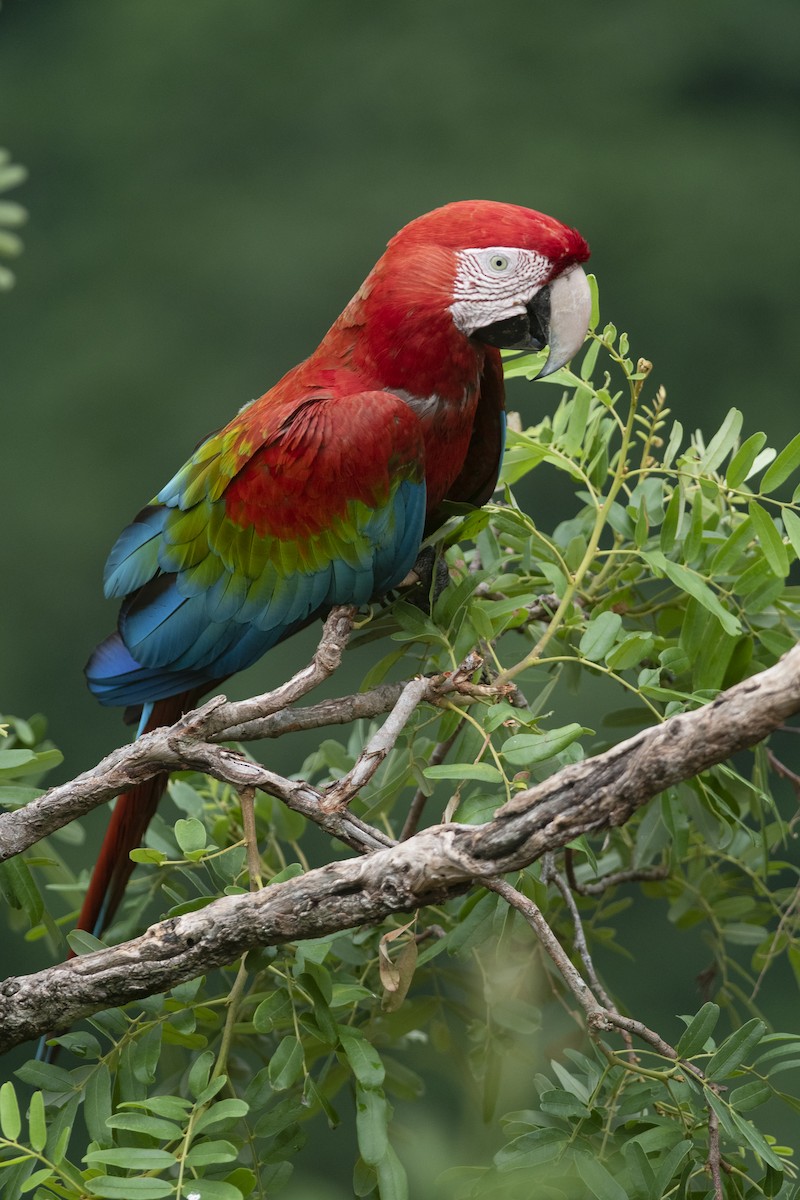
point(562, 312)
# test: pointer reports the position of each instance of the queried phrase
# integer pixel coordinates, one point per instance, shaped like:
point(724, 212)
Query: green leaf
point(392, 1179)
point(207, 1153)
point(531, 1149)
point(11, 759)
point(486, 772)
point(185, 797)
point(81, 1044)
point(689, 582)
point(199, 1072)
point(134, 1158)
point(722, 442)
point(154, 1127)
point(693, 542)
point(598, 1180)
point(576, 426)
point(37, 1125)
point(673, 445)
point(190, 834)
point(129, 1187)
point(476, 920)
point(244, 1179)
point(81, 942)
point(33, 1181)
point(19, 887)
point(365, 1061)
point(372, 1120)
point(97, 1106)
point(673, 519)
point(791, 523)
point(10, 1120)
point(61, 1125)
point(730, 554)
point(669, 1166)
point(275, 1010)
point(147, 854)
point(787, 461)
point(735, 1049)
point(525, 748)
point(174, 1108)
point(600, 635)
point(698, 1031)
point(750, 1095)
point(46, 1076)
point(770, 540)
point(562, 1104)
point(319, 991)
point(286, 1063)
point(220, 1114)
point(15, 764)
point(757, 1142)
point(148, 1051)
point(742, 461)
point(280, 1116)
point(630, 651)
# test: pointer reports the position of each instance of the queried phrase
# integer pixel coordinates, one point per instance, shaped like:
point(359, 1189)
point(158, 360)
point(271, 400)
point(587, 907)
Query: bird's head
point(505, 276)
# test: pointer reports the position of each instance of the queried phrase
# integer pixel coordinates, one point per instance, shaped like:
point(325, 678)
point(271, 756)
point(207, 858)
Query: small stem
point(184, 1150)
point(548, 874)
point(233, 1002)
point(247, 798)
point(714, 1156)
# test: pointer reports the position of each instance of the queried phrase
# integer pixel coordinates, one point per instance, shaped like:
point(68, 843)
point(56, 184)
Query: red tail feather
point(132, 814)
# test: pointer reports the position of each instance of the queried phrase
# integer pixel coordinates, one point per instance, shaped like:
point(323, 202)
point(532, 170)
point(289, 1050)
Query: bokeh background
point(210, 181)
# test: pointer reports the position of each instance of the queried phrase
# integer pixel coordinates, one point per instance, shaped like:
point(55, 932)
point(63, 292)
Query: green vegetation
point(669, 579)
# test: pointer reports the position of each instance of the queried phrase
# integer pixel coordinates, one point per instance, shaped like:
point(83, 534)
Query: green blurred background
point(210, 181)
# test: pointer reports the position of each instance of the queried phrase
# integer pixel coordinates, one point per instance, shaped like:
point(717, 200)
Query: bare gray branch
point(428, 868)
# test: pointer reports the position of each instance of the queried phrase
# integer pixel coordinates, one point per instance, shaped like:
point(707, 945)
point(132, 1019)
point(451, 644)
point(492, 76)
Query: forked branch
point(429, 867)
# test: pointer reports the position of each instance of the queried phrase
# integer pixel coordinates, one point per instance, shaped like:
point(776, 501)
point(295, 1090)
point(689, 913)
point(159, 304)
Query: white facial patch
point(494, 284)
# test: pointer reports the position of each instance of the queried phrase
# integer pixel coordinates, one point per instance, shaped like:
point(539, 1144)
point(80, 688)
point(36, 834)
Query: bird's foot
point(425, 582)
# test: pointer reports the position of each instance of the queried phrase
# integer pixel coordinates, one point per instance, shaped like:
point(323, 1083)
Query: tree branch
point(190, 744)
point(428, 868)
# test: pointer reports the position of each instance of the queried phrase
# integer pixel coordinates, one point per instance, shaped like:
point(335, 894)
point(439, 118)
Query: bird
point(320, 492)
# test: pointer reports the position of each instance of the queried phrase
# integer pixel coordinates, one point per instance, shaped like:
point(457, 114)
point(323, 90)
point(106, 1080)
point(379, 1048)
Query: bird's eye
point(499, 262)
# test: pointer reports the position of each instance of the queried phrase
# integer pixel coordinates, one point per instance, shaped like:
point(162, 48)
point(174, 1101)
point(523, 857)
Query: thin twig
point(375, 752)
point(549, 874)
point(378, 747)
point(714, 1156)
point(247, 800)
point(612, 879)
point(341, 710)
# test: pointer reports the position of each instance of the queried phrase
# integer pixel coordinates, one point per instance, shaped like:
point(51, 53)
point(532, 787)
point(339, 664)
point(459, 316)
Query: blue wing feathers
point(203, 600)
point(134, 557)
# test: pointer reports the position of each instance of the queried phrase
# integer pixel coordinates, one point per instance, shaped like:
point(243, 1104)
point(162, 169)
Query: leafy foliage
point(669, 580)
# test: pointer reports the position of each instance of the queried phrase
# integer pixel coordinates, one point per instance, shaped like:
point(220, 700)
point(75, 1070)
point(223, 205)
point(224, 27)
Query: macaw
point(320, 492)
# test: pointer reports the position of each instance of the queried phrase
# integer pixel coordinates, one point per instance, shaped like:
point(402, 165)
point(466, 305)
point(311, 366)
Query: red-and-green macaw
point(318, 492)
